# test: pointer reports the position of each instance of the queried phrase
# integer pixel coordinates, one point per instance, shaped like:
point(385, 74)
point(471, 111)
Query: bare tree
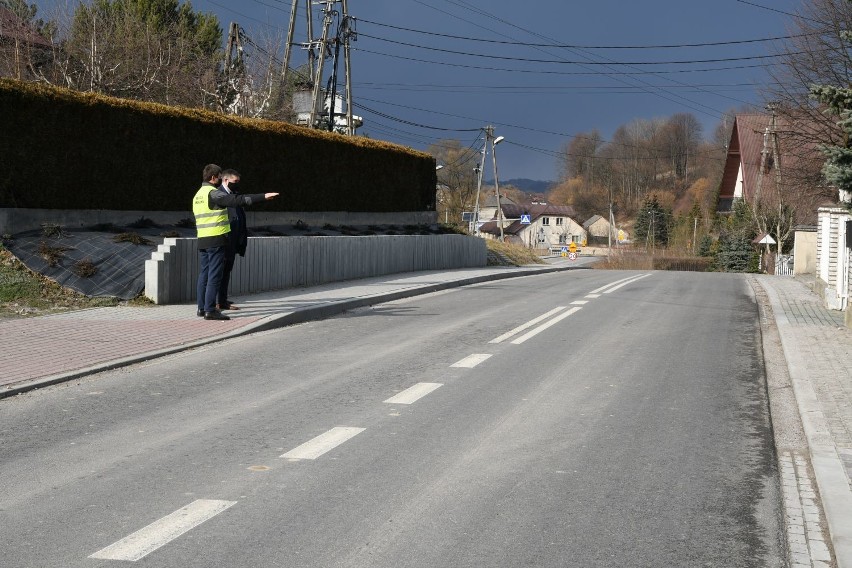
point(457, 180)
point(25, 40)
point(154, 50)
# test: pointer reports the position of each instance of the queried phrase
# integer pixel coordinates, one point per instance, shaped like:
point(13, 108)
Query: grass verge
point(507, 254)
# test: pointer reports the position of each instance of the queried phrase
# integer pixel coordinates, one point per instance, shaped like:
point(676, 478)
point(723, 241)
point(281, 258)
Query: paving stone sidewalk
point(818, 349)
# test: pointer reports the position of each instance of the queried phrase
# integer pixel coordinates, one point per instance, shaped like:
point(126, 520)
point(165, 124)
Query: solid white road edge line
point(161, 532)
point(544, 326)
point(527, 325)
point(413, 394)
point(323, 443)
point(471, 361)
point(626, 283)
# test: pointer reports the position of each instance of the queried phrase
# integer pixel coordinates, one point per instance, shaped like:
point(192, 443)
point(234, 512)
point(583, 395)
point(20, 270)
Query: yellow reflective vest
point(209, 222)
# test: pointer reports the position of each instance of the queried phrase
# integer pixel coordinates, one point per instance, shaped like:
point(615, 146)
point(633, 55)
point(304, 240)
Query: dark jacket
point(239, 230)
point(221, 199)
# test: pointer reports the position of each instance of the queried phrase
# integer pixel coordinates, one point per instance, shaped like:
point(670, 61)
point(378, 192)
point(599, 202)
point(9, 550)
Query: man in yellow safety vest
point(210, 207)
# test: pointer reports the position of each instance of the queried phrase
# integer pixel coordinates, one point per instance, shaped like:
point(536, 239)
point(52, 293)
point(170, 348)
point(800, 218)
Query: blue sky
point(538, 104)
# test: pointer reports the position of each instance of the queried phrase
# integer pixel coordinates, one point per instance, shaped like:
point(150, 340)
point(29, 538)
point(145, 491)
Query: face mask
point(233, 185)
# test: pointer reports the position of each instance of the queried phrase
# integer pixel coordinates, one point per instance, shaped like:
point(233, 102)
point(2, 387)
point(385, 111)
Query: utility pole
point(233, 62)
point(478, 170)
point(489, 136)
point(776, 160)
point(320, 49)
point(611, 226)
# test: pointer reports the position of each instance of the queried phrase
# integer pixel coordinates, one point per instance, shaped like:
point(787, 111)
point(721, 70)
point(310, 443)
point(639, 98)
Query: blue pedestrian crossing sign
point(565, 249)
point(525, 220)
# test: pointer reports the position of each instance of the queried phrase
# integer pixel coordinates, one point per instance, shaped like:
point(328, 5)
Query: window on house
point(563, 239)
point(559, 220)
point(575, 238)
point(545, 220)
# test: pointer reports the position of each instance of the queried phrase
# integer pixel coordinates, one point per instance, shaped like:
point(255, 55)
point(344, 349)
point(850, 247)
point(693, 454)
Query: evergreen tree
point(838, 165)
point(652, 223)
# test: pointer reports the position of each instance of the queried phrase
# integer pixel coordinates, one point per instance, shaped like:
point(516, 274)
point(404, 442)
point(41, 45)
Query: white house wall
point(738, 188)
point(832, 282)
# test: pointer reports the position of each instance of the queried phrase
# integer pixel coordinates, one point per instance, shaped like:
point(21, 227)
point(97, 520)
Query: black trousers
point(230, 257)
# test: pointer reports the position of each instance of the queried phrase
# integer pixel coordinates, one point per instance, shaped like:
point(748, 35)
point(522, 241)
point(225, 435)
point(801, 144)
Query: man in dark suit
point(238, 238)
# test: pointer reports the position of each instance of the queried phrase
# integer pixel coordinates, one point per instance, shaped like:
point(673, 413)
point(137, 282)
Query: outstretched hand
point(271, 195)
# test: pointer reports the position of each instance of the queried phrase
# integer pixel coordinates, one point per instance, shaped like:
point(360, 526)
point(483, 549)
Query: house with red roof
point(20, 46)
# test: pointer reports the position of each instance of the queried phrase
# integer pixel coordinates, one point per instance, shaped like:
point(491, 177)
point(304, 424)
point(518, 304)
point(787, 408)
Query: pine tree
point(838, 164)
point(652, 223)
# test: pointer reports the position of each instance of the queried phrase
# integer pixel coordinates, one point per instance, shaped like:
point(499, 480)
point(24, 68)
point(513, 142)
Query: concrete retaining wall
point(16, 220)
point(275, 263)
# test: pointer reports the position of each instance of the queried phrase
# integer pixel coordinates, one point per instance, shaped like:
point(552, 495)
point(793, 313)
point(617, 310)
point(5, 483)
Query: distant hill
point(527, 185)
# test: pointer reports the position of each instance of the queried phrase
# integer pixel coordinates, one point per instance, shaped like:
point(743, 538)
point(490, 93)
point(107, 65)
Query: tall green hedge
point(62, 149)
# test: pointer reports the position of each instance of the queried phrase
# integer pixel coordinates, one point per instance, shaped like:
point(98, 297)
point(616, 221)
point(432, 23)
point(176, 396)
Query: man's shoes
point(199, 313)
point(216, 315)
point(226, 306)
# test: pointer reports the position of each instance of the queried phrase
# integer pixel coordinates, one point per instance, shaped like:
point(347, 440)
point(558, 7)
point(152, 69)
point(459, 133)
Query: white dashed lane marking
point(413, 394)
point(605, 286)
point(161, 532)
point(544, 326)
point(323, 443)
point(631, 281)
point(471, 361)
point(527, 325)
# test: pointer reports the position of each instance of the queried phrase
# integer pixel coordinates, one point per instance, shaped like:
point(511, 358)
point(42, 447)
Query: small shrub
point(301, 226)
point(186, 223)
point(329, 227)
point(170, 234)
point(448, 229)
point(84, 268)
point(143, 223)
point(134, 238)
point(705, 246)
point(367, 233)
point(348, 229)
point(51, 230)
point(375, 228)
point(52, 255)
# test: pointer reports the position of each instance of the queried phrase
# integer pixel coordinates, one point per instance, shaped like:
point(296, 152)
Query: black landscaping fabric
point(119, 266)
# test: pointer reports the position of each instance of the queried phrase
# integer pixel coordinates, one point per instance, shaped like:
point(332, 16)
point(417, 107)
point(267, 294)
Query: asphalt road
point(627, 430)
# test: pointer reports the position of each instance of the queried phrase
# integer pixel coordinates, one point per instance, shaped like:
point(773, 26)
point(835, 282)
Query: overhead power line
point(552, 72)
point(580, 46)
point(569, 62)
point(410, 123)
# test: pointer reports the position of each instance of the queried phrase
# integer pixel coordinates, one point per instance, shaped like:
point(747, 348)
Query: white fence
point(275, 263)
point(784, 265)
